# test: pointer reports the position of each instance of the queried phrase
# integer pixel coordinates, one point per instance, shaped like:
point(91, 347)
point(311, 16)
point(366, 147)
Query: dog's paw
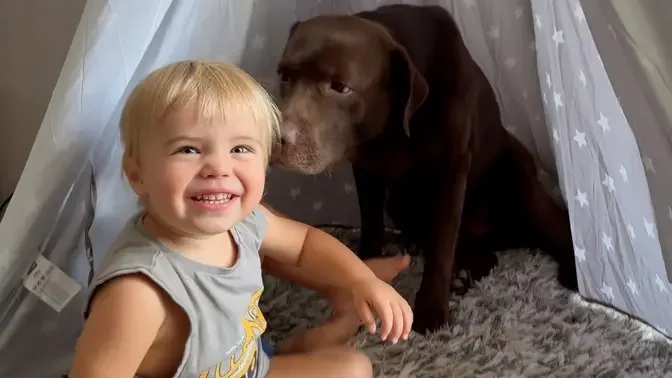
point(429, 315)
point(462, 282)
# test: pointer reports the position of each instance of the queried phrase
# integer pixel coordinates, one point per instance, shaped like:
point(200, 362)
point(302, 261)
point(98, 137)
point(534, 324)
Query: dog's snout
point(289, 133)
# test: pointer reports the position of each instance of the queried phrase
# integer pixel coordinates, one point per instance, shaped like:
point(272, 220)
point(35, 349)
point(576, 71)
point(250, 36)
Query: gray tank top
point(222, 304)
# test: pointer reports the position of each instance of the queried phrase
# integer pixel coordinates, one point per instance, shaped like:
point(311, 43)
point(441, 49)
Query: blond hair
point(215, 88)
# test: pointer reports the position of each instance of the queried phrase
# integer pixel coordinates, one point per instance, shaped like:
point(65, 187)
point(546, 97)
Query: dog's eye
point(339, 87)
point(284, 77)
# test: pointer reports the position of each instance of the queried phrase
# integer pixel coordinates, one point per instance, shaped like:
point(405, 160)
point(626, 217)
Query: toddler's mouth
point(213, 198)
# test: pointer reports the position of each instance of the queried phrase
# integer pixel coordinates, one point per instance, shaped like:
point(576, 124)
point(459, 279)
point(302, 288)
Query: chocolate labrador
point(395, 92)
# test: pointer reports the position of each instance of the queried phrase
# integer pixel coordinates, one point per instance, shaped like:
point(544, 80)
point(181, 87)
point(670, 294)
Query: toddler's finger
point(384, 310)
point(366, 315)
point(398, 326)
point(408, 319)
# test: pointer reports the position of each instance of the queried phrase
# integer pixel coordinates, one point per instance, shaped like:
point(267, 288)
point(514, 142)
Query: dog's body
point(396, 93)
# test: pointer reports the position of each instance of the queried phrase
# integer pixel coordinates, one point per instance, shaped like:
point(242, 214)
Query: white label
point(50, 283)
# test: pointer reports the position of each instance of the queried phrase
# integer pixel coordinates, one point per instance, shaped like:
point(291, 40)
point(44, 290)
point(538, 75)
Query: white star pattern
point(518, 13)
point(607, 291)
point(648, 164)
point(669, 212)
point(607, 241)
point(581, 197)
point(633, 286)
point(580, 138)
point(623, 172)
point(558, 37)
point(582, 78)
point(631, 231)
point(537, 21)
point(662, 286)
point(548, 80)
point(532, 46)
point(556, 136)
point(580, 253)
point(524, 94)
point(510, 62)
point(557, 98)
point(317, 206)
point(294, 192)
point(609, 183)
point(604, 123)
point(258, 42)
point(578, 13)
point(543, 97)
point(348, 187)
point(649, 227)
point(494, 32)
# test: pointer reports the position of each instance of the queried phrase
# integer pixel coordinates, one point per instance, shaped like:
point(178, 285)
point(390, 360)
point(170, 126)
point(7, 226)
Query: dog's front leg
point(432, 299)
point(371, 198)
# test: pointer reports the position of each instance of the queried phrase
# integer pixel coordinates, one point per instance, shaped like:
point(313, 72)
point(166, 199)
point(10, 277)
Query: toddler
point(178, 293)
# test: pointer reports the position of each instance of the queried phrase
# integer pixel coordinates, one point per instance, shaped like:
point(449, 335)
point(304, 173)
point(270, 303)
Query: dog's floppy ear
point(409, 82)
point(292, 29)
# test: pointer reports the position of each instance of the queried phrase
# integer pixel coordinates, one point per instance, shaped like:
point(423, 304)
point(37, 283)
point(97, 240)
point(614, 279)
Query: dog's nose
point(289, 133)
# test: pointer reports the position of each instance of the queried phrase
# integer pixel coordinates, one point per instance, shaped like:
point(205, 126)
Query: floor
point(517, 322)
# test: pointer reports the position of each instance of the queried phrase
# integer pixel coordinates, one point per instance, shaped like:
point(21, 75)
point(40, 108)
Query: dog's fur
point(395, 92)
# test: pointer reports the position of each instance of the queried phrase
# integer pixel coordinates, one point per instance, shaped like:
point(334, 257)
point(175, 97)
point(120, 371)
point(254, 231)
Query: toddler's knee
point(357, 365)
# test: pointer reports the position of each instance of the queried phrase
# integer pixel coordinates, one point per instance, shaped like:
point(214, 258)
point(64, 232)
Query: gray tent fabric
point(619, 255)
point(567, 85)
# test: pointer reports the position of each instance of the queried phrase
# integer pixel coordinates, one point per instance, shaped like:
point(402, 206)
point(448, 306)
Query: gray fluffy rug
point(517, 322)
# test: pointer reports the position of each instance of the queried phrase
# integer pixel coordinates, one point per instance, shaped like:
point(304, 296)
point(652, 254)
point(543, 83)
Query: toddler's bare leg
point(336, 362)
point(334, 332)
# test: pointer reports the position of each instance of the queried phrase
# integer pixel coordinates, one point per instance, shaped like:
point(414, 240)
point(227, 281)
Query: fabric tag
point(50, 283)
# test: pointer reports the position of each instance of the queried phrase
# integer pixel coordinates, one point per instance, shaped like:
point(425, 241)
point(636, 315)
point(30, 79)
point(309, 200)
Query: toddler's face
point(199, 179)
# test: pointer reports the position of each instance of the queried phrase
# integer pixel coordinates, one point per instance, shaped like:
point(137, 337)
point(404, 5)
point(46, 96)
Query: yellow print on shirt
point(254, 324)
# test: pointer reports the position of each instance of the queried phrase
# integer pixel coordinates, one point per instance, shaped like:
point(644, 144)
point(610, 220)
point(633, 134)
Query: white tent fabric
point(541, 56)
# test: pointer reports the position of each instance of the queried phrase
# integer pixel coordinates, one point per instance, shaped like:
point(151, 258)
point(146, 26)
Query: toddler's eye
point(188, 150)
point(241, 149)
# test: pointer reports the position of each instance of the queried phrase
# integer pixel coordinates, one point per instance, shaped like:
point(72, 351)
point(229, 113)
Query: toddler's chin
point(212, 227)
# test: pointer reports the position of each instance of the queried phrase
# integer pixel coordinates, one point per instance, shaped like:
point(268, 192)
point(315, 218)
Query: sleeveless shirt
point(222, 304)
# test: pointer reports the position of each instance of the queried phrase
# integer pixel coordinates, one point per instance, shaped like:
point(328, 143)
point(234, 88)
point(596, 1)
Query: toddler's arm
point(125, 317)
point(297, 244)
point(320, 254)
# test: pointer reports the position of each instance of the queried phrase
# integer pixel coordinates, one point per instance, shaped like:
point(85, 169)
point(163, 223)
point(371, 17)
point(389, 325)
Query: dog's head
point(344, 81)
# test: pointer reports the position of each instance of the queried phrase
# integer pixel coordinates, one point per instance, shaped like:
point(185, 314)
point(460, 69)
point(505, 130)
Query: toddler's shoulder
point(252, 229)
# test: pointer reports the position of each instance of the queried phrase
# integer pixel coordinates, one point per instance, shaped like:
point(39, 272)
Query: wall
point(35, 36)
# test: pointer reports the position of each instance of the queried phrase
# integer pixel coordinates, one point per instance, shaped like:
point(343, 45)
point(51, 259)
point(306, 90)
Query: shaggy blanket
point(516, 322)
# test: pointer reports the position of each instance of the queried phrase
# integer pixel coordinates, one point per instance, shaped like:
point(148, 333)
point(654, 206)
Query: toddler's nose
point(217, 167)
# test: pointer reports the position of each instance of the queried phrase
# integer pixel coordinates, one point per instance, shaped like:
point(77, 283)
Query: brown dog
point(395, 92)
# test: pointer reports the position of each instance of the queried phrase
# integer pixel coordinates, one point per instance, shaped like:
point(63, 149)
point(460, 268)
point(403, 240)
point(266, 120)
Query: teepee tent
point(573, 82)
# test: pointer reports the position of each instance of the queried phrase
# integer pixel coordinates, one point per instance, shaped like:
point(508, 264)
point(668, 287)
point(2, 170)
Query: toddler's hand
point(393, 310)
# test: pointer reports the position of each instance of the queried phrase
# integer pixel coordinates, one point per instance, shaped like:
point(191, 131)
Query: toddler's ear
point(133, 174)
